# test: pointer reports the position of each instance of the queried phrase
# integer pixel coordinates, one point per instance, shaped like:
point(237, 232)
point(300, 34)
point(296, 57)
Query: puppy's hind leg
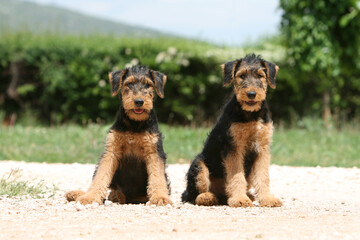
point(205, 197)
point(116, 195)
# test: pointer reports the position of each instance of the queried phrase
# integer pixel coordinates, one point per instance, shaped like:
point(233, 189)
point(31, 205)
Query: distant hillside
point(18, 15)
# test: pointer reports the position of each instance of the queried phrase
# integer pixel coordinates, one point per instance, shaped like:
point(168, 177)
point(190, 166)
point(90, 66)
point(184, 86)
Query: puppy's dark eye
point(260, 76)
point(242, 76)
point(147, 85)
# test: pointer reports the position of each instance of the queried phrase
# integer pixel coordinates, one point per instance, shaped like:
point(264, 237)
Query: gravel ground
point(319, 203)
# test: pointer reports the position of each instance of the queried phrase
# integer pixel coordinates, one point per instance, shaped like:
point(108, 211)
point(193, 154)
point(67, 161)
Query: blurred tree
point(323, 42)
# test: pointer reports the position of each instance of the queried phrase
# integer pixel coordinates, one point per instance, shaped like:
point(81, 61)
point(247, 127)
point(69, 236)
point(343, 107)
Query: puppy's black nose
point(139, 102)
point(251, 94)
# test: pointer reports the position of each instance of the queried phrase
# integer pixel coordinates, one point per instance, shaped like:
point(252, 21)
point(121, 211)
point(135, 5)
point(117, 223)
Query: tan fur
point(236, 184)
point(110, 79)
point(259, 176)
point(145, 145)
point(128, 98)
point(239, 73)
point(259, 134)
point(240, 92)
point(144, 80)
point(73, 195)
point(233, 70)
point(137, 117)
point(106, 169)
point(164, 82)
point(217, 186)
point(120, 144)
point(202, 179)
point(222, 68)
point(268, 70)
point(254, 135)
point(206, 199)
point(261, 73)
point(242, 98)
point(157, 190)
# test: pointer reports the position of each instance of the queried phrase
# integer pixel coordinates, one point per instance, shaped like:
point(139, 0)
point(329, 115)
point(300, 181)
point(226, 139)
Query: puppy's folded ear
point(229, 71)
point(116, 78)
point(271, 72)
point(159, 81)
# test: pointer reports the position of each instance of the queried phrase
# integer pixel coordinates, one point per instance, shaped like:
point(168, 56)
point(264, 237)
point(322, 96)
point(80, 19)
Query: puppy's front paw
point(242, 201)
point(89, 199)
point(160, 200)
point(270, 201)
point(73, 195)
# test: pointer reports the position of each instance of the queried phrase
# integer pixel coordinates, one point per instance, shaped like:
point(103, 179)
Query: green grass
point(73, 143)
point(306, 146)
point(65, 144)
point(12, 185)
point(318, 147)
point(183, 144)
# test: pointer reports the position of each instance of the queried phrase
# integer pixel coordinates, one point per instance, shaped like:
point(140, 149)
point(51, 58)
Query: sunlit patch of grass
point(65, 144)
point(305, 145)
point(182, 144)
point(316, 147)
point(12, 186)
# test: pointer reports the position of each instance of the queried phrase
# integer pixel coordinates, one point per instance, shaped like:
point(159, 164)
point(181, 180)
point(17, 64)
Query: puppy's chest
point(252, 135)
point(134, 144)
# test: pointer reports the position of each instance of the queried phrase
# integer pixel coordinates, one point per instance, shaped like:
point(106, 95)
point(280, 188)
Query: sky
point(231, 22)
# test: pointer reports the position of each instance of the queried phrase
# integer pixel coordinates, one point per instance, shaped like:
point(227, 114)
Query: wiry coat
point(236, 154)
point(220, 143)
point(133, 163)
point(131, 176)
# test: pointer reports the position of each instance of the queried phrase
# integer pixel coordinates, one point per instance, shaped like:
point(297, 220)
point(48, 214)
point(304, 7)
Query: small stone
point(79, 207)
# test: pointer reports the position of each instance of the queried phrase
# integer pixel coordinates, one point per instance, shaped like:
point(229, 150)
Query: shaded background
point(55, 57)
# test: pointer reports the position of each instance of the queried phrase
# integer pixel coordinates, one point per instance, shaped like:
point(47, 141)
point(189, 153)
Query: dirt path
point(319, 203)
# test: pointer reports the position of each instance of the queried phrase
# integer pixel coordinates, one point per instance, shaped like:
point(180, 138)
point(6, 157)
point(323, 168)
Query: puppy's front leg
point(104, 174)
point(259, 179)
point(236, 184)
point(157, 190)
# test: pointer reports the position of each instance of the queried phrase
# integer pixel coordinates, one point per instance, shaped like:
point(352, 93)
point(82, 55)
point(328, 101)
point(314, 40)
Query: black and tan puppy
point(236, 155)
point(133, 164)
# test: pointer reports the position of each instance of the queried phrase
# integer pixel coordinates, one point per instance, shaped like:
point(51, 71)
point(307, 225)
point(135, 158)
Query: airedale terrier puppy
point(236, 154)
point(133, 164)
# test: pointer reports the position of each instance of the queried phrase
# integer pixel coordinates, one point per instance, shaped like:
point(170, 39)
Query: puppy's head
point(250, 76)
point(137, 86)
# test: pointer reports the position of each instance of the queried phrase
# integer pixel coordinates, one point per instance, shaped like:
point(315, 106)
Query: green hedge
point(65, 78)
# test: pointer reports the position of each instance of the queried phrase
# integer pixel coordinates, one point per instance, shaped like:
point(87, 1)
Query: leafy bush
point(65, 78)
point(322, 40)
